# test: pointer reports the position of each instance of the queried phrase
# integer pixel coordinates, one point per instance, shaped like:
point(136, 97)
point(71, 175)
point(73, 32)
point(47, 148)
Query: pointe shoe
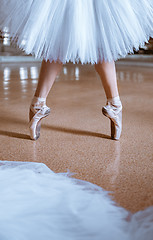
point(36, 114)
point(114, 113)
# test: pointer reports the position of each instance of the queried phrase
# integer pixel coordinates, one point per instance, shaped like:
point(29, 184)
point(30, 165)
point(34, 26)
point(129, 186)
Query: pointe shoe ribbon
point(39, 112)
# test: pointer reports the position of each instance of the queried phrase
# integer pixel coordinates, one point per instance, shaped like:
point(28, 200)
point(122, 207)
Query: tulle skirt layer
point(37, 203)
point(78, 30)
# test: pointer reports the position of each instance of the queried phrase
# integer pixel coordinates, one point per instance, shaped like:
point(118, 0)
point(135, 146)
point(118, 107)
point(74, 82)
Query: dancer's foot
point(113, 110)
point(38, 111)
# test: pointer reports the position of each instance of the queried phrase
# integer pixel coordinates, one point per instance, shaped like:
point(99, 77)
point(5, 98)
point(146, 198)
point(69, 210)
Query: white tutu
point(36, 203)
point(78, 30)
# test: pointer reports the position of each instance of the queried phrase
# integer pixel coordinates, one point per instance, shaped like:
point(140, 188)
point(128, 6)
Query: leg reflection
point(113, 168)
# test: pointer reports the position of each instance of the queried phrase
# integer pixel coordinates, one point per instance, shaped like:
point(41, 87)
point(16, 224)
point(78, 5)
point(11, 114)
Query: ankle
point(114, 101)
point(38, 101)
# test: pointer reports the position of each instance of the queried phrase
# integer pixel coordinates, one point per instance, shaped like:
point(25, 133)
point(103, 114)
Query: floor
point(76, 136)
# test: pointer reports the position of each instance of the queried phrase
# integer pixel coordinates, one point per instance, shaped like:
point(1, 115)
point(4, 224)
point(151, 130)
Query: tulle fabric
point(37, 203)
point(78, 30)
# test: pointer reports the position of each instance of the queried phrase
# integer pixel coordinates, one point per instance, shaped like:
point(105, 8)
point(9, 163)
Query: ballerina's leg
point(113, 108)
point(38, 108)
point(47, 76)
point(107, 73)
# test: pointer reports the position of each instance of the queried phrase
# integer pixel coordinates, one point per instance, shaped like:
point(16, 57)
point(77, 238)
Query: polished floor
point(76, 136)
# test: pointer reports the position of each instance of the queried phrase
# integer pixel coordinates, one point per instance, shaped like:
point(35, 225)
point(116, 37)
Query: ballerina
point(88, 31)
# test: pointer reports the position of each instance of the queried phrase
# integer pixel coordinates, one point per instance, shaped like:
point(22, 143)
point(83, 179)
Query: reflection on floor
point(76, 136)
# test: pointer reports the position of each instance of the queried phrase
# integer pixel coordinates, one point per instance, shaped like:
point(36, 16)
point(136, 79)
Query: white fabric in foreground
point(36, 203)
point(73, 30)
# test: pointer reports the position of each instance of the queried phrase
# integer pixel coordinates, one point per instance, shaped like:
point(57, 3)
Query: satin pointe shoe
point(114, 113)
point(37, 112)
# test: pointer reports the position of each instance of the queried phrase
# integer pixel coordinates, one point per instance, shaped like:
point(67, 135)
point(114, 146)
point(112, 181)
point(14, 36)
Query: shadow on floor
point(14, 135)
point(73, 131)
point(76, 131)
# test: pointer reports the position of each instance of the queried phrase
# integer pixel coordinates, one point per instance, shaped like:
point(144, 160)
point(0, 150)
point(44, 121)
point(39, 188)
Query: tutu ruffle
point(78, 30)
point(37, 203)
